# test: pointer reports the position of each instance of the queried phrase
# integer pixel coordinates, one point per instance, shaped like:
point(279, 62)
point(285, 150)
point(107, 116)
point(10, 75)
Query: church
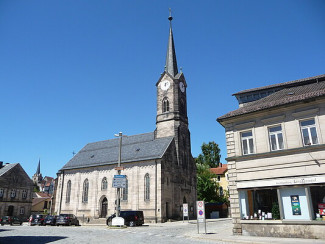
point(159, 168)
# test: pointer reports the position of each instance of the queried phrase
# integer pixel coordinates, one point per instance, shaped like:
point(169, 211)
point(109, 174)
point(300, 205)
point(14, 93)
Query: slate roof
point(6, 168)
point(284, 84)
point(134, 148)
point(292, 94)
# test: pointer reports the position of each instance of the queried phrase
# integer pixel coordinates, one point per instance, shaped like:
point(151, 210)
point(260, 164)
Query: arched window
point(67, 199)
point(165, 105)
point(125, 191)
point(147, 187)
point(104, 183)
point(85, 191)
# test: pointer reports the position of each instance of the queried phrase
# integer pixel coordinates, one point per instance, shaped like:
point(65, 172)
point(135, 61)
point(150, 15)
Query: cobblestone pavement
point(217, 231)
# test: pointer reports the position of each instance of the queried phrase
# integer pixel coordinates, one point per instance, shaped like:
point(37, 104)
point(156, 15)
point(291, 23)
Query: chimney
point(220, 164)
point(1, 164)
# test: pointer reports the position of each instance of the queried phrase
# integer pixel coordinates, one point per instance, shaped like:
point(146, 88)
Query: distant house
point(42, 203)
point(221, 177)
point(15, 191)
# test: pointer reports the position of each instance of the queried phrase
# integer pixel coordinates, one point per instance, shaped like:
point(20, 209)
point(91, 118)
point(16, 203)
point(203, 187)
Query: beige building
point(276, 159)
point(159, 168)
point(16, 190)
point(42, 203)
point(221, 177)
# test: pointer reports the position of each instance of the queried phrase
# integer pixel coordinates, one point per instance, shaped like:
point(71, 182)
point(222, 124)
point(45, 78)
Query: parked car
point(131, 218)
point(50, 220)
point(10, 220)
point(36, 219)
point(67, 219)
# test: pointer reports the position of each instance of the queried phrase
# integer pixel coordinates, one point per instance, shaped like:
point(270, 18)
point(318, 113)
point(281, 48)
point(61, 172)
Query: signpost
point(200, 207)
point(119, 181)
point(185, 211)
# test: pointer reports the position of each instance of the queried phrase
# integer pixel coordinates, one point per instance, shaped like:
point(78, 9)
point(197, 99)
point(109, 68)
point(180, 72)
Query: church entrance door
point(104, 208)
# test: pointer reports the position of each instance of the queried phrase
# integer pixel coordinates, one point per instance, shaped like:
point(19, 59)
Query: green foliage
point(206, 186)
point(210, 155)
point(36, 188)
point(275, 210)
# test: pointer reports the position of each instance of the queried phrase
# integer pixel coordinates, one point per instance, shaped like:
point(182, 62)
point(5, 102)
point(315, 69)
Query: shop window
point(259, 204)
point(276, 138)
point(308, 131)
point(318, 200)
point(247, 142)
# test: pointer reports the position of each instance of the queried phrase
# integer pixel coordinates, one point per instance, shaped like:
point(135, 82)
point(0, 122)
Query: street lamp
point(118, 168)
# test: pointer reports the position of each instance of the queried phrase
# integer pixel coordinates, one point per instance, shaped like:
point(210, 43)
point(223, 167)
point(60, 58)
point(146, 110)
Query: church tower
point(37, 177)
point(171, 117)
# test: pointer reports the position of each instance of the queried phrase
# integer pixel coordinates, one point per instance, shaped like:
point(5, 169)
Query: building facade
point(159, 167)
point(16, 190)
point(221, 177)
point(276, 159)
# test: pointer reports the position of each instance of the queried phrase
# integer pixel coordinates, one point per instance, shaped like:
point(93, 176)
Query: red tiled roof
point(219, 170)
point(43, 194)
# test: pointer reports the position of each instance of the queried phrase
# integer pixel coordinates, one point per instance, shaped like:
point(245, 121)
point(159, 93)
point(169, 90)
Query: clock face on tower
point(181, 86)
point(164, 85)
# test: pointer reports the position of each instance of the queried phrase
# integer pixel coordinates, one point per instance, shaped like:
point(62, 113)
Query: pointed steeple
point(171, 63)
point(38, 171)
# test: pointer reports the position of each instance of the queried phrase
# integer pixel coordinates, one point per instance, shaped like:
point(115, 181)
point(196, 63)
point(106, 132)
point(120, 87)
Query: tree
point(210, 155)
point(206, 186)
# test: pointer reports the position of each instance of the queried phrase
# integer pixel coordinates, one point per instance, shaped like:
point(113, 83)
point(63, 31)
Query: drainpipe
point(156, 180)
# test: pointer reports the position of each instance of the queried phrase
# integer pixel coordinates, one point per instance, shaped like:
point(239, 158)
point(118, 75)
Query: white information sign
point(200, 209)
point(119, 181)
point(185, 209)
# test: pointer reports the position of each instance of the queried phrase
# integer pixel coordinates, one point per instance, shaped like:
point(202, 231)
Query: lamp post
point(118, 200)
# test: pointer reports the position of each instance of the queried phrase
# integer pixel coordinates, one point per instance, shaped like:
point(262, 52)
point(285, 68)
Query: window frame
point(147, 187)
point(13, 193)
point(308, 128)
point(104, 184)
point(24, 194)
point(2, 191)
point(85, 191)
point(68, 193)
point(276, 135)
point(165, 105)
point(247, 139)
point(125, 191)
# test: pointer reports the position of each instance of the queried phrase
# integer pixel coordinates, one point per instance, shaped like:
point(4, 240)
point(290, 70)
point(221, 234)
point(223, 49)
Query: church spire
point(171, 63)
point(38, 171)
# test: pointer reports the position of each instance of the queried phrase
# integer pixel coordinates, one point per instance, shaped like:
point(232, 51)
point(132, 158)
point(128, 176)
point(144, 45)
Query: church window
point(67, 199)
point(165, 105)
point(147, 187)
point(24, 194)
point(104, 184)
point(13, 193)
point(125, 191)
point(85, 191)
point(1, 192)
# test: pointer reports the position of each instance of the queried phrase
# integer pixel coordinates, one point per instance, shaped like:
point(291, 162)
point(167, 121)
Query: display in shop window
point(295, 204)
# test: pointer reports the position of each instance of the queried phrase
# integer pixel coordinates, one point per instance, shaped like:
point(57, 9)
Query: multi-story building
point(16, 190)
point(276, 159)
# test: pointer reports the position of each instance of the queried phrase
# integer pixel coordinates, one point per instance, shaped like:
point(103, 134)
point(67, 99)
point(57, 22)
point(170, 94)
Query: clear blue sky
point(74, 72)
